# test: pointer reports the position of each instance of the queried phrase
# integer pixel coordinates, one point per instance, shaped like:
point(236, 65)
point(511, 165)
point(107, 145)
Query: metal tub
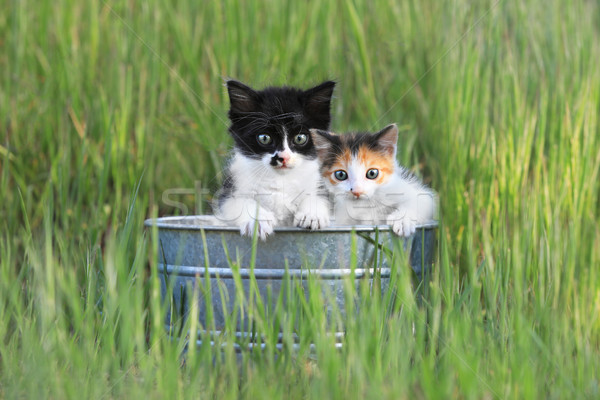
point(194, 249)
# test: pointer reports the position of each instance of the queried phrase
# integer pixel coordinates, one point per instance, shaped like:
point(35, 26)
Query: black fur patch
point(276, 111)
point(226, 190)
point(334, 150)
point(275, 160)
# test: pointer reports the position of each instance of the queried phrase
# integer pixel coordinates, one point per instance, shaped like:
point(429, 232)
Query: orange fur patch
point(342, 162)
point(373, 159)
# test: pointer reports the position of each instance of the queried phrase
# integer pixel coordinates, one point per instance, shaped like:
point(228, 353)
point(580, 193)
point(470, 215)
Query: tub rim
point(169, 223)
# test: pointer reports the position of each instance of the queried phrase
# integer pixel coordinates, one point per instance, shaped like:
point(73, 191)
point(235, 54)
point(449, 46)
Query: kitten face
point(272, 125)
point(356, 165)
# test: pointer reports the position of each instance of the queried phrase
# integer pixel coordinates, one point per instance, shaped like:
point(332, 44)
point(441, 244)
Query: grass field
point(105, 105)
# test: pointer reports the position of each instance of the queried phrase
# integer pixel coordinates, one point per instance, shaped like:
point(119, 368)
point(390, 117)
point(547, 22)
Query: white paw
point(303, 220)
point(313, 213)
point(265, 224)
point(312, 220)
point(402, 224)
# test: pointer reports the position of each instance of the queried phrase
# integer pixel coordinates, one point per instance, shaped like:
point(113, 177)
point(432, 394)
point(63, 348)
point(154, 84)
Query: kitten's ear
point(242, 98)
point(387, 138)
point(322, 141)
point(317, 102)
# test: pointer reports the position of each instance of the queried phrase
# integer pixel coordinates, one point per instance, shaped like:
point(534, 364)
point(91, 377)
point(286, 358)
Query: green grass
point(499, 103)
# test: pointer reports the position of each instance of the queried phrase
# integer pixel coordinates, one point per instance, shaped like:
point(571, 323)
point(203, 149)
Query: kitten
point(368, 185)
point(273, 176)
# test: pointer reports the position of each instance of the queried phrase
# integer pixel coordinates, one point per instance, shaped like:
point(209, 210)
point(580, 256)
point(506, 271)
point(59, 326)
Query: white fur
point(400, 202)
point(270, 197)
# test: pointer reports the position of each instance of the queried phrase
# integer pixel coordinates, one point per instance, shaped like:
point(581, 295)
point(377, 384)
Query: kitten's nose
point(356, 192)
point(284, 156)
point(281, 159)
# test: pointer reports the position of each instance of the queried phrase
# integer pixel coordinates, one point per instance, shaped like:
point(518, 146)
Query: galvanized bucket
point(196, 252)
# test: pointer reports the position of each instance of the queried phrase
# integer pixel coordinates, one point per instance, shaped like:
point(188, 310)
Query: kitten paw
point(265, 225)
point(313, 213)
point(402, 223)
point(311, 221)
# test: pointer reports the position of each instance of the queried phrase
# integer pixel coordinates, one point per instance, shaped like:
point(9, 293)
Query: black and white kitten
point(273, 177)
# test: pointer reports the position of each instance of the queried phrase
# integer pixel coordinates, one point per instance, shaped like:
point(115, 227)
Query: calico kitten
point(273, 176)
point(368, 185)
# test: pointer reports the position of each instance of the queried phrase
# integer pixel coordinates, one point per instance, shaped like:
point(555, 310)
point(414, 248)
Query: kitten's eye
point(340, 175)
point(372, 173)
point(300, 139)
point(264, 139)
